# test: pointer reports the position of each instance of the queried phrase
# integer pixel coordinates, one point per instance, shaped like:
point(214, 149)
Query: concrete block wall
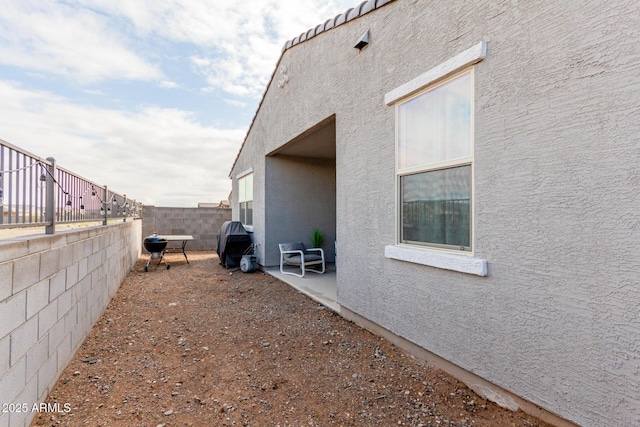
point(202, 223)
point(53, 289)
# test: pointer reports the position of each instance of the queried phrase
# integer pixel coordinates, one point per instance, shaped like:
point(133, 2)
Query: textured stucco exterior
point(556, 320)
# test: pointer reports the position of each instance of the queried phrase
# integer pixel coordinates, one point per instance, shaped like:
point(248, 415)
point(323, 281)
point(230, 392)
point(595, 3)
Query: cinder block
point(47, 376)
point(96, 245)
point(78, 335)
point(26, 272)
point(66, 256)
point(72, 276)
point(57, 284)
point(83, 312)
point(37, 297)
point(70, 320)
point(78, 251)
point(76, 237)
point(49, 263)
point(47, 317)
point(6, 277)
point(64, 353)
point(36, 357)
point(13, 312)
point(13, 250)
point(94, 261)
point(82, 268)
point(58, 240)
point(13, 382)
point(39, 244)
point(87, 247)
point(5, 354)
point(23, 338)
point(56, 335)
point(29, 396)
point(65, 301)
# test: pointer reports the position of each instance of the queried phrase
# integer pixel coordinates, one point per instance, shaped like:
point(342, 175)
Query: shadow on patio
point(319, 287)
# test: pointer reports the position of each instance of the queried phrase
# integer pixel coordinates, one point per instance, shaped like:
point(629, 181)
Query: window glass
point(245, 199)
point(436, 126)
point(434, 146)
point(436, 207)
point(249, 214)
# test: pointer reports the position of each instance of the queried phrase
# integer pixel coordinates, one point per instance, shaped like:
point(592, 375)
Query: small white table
point(184, 238)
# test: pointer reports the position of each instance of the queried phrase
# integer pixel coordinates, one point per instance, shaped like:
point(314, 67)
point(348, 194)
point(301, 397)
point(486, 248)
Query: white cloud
point(161, 156)
point(169, 84)
point(93, 91)
point(157, 155)
point(239, 40)
point(235, 103)
point(79, 44)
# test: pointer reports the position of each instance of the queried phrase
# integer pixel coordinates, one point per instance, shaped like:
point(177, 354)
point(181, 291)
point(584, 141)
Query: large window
point(245, 197)
point(434, 164)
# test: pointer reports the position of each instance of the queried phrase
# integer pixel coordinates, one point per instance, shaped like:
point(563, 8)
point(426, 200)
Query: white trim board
point(470, 56)
point(460, 263)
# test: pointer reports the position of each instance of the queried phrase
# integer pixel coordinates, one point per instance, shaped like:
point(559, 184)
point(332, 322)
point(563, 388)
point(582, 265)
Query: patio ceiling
point(318, 142)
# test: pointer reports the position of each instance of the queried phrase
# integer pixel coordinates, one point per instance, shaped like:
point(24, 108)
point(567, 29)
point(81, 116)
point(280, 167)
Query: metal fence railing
point(35, 192)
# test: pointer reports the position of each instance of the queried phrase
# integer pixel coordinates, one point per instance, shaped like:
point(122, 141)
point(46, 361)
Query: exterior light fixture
point(81, 206)
point(363, 41)
point(67, 207)
point(93, 194)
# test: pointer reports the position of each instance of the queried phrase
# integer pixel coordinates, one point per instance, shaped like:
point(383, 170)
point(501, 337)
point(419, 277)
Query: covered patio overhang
point(300, 195)
point(300, 191)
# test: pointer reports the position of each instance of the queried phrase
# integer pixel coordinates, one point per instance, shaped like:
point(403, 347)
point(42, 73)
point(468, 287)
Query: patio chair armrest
point(317, 250)
point(293, 252)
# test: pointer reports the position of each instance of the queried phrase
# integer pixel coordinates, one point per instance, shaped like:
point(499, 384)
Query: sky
point(152, 98)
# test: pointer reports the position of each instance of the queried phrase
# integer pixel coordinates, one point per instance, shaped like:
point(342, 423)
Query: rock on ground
point(196, 346)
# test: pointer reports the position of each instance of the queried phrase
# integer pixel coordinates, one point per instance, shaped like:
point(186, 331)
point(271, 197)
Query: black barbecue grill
point(155, 245)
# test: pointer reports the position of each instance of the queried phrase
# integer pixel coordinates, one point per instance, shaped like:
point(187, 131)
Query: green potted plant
point(317, 238)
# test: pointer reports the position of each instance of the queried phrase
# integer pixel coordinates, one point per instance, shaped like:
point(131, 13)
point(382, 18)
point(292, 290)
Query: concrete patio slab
point(319, 287)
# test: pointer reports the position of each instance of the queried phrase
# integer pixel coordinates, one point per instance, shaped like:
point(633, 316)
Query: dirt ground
point(198, 345)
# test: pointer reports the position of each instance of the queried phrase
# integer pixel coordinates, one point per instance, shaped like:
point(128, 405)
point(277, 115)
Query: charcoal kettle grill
point(155, 245)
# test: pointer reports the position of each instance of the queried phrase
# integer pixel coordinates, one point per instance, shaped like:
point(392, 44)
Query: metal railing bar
point(12, 147)
point(37, 192)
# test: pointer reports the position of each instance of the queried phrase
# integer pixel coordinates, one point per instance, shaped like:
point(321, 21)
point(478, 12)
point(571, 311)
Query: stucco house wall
point(302, 192)
point(556, 318)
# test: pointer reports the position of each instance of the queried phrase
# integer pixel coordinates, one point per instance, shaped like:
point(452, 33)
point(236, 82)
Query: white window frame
point(442, 165)
point(242, 178)
point(431, 255)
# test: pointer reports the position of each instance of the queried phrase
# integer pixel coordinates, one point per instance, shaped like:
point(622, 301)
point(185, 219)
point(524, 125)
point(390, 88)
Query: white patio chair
point(296, 254)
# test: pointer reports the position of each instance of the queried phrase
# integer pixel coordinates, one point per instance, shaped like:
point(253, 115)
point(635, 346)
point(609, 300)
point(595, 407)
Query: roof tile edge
point(349, 15)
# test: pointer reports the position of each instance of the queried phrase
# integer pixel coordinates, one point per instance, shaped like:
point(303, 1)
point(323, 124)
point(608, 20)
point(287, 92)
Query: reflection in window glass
point(436, 126)
point(434, 155)
point(245, 199)
point(436, 207)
